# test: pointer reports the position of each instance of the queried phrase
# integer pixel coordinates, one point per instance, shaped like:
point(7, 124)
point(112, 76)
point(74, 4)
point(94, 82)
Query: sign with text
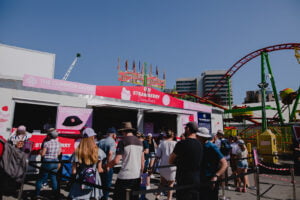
point(67, 144)
point(138, 78)
point(204, 120)
point(139, 94)
point(59, 85)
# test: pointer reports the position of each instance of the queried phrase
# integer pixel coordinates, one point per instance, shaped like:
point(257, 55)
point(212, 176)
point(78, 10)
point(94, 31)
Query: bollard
point(257, 183)
point(128, 194)
point(293, 180)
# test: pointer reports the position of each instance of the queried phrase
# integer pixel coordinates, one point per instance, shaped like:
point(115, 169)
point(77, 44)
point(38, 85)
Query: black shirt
point(189, 154)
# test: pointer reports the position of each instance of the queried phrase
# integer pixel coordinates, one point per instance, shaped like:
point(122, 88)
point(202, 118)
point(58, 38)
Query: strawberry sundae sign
point(139, 94)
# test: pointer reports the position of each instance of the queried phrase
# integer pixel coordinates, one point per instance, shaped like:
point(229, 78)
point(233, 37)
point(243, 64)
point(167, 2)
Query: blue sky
point(183, 38)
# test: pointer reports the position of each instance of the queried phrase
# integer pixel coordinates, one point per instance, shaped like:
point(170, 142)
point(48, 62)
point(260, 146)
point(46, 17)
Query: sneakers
point(228, 188)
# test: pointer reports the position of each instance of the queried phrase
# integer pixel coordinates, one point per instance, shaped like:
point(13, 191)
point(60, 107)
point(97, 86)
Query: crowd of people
point(198, 160)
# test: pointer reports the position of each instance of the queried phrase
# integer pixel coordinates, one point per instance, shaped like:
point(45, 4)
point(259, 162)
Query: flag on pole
point(139, 66)
point(150, 70)
point(118, 64)
point(156, 71)
point(133, 66)
point(126, 65)
point(142, 69)
point(164, 75)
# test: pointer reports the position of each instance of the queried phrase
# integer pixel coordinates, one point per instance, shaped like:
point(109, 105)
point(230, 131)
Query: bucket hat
point(126, 126)
point(203, 132)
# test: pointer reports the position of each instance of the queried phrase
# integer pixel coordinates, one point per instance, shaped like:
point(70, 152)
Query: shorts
point(243, 164)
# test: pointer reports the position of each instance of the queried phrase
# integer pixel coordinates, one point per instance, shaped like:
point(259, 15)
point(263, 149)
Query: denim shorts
point(242, 164)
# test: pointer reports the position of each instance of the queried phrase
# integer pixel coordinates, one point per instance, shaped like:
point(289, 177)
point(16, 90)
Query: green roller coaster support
point(274, 87)
point(263, 86)
point(293, 113)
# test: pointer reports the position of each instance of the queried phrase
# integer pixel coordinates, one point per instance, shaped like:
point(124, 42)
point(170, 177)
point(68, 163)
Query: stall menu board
point(204, 120)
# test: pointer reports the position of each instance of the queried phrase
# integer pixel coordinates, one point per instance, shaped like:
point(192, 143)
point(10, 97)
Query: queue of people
point(197, 159)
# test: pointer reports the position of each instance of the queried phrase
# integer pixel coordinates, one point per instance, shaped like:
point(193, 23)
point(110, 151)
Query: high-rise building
point(208, 81)
point(187, 85)
point(255, 96)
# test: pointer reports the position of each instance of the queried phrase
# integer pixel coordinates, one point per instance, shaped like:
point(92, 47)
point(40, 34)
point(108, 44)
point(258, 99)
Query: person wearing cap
point(242, 166)
point(213, 166)
point(108, 145)
point(50, 152)
point(187, 156)
point(19, 137)
point(87, 155)
point(130, 150)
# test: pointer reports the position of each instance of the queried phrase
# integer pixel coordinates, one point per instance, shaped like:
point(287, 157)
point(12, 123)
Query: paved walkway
point(276, 187)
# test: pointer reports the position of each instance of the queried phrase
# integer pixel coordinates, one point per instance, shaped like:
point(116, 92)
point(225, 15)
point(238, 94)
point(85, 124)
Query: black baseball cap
point(193, 126)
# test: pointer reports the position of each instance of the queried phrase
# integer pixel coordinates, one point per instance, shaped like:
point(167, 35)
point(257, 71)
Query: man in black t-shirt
point(187, 156)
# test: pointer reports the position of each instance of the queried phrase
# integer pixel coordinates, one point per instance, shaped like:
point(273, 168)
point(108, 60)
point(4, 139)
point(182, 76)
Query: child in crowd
point(143, 185)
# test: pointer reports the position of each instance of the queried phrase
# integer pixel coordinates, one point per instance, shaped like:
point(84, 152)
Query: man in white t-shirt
point(130, 150)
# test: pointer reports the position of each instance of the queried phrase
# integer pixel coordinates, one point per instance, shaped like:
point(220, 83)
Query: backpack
point(13, 162)
point(225, 147)
point(87, 174)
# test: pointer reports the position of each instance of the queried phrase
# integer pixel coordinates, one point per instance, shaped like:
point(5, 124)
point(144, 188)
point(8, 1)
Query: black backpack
point(225, 147)
point(13, 162)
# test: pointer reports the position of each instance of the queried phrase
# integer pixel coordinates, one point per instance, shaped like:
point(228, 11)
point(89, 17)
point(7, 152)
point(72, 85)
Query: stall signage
point(67, 144)
point(139, 94)
point(70, 120)
point(204, 120)
point(59, 85)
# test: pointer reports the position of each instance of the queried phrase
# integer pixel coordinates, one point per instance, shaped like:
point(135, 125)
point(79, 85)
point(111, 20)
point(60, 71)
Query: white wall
point(10, 96)
point(15, 62)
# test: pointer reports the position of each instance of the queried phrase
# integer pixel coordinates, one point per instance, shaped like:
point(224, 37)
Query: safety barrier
point(130, 193)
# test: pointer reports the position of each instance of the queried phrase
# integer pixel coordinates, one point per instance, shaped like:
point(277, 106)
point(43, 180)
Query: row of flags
point(141, 68)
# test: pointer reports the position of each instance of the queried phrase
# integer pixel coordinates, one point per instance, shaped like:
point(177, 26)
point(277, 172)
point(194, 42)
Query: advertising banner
point(70, 120)
point(204, 120)
point(216, 122)
point(139, 94)
point(67, 144)
point(138, 78)
point(59, 85)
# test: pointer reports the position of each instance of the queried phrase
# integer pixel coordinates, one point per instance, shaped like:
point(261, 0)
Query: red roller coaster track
point(246, 59)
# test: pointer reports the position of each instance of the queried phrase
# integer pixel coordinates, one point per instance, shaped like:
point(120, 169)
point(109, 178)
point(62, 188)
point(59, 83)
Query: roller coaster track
point(205, 100)
point(232, 70)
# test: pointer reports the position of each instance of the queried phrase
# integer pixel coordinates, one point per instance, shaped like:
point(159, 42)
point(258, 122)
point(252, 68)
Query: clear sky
point(183, 38)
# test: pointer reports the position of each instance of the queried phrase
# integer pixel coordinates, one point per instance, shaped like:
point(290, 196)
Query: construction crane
point(71, 67)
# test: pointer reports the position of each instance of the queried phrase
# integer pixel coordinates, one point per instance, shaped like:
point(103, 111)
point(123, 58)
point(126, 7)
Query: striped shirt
point(52, 149)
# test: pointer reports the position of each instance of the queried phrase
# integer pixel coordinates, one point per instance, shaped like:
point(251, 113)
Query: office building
point(187, 85)
point(208, 81)
point(255, 96)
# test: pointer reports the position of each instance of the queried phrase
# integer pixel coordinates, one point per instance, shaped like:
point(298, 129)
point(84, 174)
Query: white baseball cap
point(88, 132)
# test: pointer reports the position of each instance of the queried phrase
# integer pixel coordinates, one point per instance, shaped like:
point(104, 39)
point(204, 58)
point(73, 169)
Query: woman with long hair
point(87, 156)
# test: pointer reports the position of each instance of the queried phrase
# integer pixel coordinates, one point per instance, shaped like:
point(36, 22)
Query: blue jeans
point(44, 175)
point(106, 179)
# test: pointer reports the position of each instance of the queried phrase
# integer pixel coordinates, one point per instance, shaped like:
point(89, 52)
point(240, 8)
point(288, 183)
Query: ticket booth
point(268, 147)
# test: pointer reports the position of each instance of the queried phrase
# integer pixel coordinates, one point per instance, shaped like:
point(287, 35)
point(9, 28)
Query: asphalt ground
point(272, 186)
